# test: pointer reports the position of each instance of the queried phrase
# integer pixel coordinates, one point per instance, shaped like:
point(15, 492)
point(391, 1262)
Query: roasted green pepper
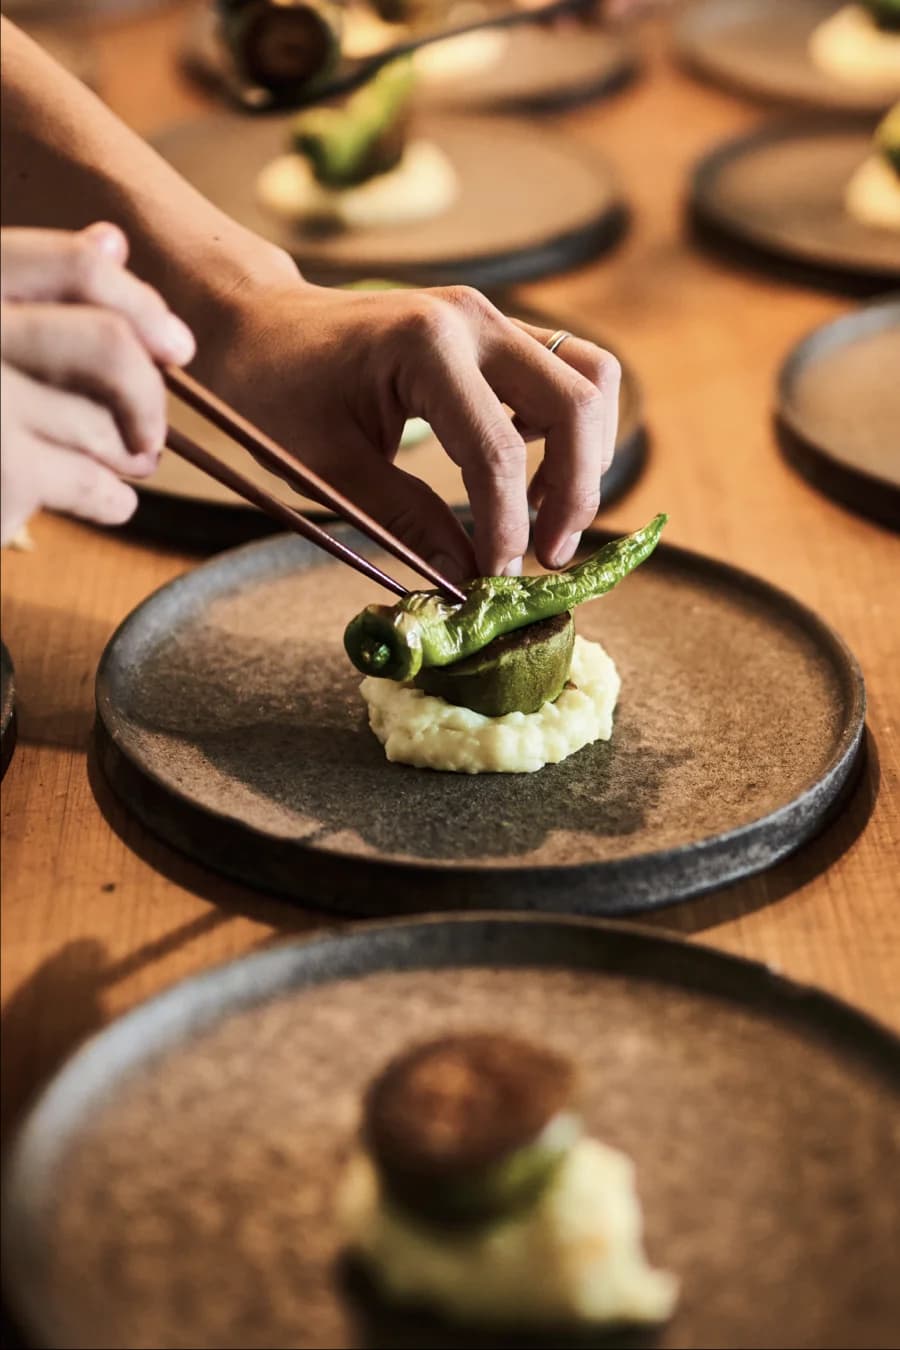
point(366, 137)
point(396, 641)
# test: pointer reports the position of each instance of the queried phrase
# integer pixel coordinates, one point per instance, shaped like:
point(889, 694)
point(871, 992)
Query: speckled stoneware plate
point(7, 708)
point(531, 67)
point(779, 195)
point(230, 722)
point(184, 505)
point(761, 47)
point(175, 1185)
point(504, 225)
point(839, 402)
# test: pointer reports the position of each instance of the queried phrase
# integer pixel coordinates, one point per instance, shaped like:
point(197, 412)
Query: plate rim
point(8, 718)
point(705, 208)
point(840, 772)
point(875, 496)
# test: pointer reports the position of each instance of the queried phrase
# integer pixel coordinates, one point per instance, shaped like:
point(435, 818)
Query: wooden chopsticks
point(277, 460)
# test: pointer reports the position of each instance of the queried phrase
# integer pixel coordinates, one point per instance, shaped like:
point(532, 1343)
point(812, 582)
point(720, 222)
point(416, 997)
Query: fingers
point(572, 397)
point(442, 382)
point(37, 471)
point(471, 424)
point(88, 269)
point(469, 361)
point(92, 352)
point(74, 483)
point(76, 423)
point(417, 515)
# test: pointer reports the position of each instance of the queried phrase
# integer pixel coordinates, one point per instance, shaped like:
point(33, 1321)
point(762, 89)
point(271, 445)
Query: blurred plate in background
point(528, 67)
point(761, 47)
point(839, 400)
point(530, 201)
point(779, 192)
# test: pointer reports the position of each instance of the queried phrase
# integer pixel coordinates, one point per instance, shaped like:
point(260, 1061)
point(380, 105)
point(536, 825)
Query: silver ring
point(556, 340)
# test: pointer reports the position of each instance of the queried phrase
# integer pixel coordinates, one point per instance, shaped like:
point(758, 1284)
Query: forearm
point(67, 161)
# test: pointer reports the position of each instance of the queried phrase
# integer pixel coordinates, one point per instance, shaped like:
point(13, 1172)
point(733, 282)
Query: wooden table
point(97, 914)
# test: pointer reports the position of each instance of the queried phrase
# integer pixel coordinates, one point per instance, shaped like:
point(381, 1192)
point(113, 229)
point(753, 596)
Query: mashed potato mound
point(574, 1256)
point(851, 47)
point(422, 185)
point(873, 194)
point(417, 728)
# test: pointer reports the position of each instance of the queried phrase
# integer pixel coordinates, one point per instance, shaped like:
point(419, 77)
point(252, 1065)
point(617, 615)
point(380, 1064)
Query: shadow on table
point(54, 697)
point(63, 1003)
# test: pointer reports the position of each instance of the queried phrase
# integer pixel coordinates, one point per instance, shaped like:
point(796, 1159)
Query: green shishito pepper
point(349, 145)
point(394, 642)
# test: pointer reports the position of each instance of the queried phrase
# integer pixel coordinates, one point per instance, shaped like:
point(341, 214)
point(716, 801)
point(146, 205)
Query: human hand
point(333, 375)
point(82, 399)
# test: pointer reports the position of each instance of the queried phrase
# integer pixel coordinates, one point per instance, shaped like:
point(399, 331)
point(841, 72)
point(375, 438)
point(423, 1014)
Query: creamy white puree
point(422, 185)
point(575, 1255)
point(850, 46)
point(417, 728)
point(873, 194)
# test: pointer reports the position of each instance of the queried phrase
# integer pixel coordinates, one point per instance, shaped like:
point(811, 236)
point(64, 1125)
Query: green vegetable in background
point(349, 145)
point(396, 641)
point(886, 13)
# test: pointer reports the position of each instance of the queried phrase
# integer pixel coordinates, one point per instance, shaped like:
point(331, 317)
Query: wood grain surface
point(97, 914)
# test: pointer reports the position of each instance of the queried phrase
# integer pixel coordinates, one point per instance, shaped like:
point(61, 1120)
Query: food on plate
point(873, 193)
point(356, 166)
point(475, 1192)
point(860, 44)
point(283, 46)
point(501, 683)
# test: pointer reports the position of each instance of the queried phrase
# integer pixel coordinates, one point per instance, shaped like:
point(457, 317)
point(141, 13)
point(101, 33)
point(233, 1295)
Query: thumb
point(412, 511)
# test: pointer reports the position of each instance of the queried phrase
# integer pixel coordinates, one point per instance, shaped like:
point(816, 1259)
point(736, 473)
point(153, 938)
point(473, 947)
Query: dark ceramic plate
point(504, 226)
point(535, 67)
point(839, 401)
point(182, 504)
point(230, 721)
point(780, 192)
point(761, 47)
point(175, 1184)
point(7, 708)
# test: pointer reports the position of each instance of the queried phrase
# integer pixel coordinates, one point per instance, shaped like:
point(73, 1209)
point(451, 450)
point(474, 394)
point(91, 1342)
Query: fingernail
point(108, 238)
point(178, 339)
point(513, 568)
point(567, 552)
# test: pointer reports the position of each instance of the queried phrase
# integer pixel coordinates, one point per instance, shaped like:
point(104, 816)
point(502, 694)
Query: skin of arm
point(333, 375)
